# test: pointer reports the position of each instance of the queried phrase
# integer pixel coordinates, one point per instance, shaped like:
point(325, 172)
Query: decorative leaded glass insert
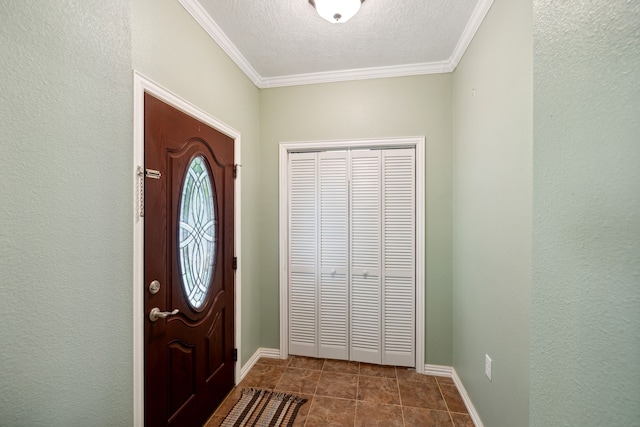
point(197, 232)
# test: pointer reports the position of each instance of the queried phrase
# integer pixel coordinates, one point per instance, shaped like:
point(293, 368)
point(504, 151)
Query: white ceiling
point(285, 42)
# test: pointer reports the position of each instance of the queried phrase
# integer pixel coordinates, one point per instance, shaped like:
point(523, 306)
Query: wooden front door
point(188, 267)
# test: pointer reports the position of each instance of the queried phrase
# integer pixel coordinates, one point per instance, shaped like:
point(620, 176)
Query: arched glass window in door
point(197, 232)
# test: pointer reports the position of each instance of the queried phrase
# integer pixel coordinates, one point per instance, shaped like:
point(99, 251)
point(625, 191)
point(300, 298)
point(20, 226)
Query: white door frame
point(142, 84)
point(418, 143)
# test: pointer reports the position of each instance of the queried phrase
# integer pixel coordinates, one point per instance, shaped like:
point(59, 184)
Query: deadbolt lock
point(154, 287)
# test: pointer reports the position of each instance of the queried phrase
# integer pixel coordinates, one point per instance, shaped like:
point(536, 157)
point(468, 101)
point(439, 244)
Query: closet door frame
point(418, 143)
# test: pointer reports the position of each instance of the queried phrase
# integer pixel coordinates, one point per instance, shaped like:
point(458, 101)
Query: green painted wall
point(171, 48)
point(65, 213)
point(533, 146)
point(492, 134)
point(585, 323)
point(407, 106)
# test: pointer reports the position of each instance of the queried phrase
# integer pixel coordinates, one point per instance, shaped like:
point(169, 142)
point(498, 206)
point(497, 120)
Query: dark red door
point(188, 257)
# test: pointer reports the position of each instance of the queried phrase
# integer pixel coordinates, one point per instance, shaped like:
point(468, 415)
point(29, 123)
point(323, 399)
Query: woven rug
point(264, 408)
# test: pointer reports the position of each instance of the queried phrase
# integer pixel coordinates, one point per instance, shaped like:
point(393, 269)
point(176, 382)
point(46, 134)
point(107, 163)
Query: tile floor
point(342, 393)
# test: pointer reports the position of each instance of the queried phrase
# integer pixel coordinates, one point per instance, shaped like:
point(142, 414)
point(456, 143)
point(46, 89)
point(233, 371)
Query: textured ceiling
point(281, 42)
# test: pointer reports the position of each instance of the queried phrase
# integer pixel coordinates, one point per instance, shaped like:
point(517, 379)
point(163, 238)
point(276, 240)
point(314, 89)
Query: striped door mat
point(264, 408)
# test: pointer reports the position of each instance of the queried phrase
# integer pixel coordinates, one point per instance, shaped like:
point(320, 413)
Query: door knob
point(156, 314)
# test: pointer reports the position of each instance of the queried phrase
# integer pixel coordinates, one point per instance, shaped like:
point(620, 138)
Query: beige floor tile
point(453, 399)
point(421, 395)
point(343, 366)
point(335, 384)
point(306, 363)
point(301, 417)
point(342, 393)
point(405, 374)
point(299, 381)
point(462, 420)
point(378, 415)
point(275, 362)
point(378, 390)
point(263, 376)
point(422, 417)
point(444, 380)
point(228, 403)
point(377, 370)
point(329, 411)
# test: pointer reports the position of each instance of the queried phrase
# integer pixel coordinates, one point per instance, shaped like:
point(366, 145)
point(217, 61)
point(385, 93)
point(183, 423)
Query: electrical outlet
point(487, 366)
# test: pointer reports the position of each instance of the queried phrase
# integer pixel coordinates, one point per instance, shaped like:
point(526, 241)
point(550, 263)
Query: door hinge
point(234, 265)
point(236, 170)
point(152, 173)
point(235, 354)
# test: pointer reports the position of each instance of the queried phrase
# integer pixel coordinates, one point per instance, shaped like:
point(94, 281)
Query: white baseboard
point(247, 366)
point(271, 353)
point(449, 372)
point(438, 370)
point(467, 401)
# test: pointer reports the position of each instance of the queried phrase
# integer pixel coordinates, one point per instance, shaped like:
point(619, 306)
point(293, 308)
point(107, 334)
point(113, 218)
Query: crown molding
point(205, 20)
point(358, 74)
point(478, 15)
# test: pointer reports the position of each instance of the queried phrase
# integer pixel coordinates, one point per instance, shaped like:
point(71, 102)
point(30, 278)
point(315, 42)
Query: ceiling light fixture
point(336, 11)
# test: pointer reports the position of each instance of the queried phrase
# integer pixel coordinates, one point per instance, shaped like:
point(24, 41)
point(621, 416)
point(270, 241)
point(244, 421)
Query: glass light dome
point(337, 11)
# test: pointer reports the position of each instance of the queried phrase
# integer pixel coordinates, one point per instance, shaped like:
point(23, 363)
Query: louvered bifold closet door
point(398, 254)
point(352, 255)
point(334, 257)
point(303, 253)
point(366, 304)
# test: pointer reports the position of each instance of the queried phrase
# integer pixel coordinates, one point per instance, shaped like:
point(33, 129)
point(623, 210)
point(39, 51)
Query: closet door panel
point(303, 253)
point(333, 322)
point(365, 319)
point(366, 326)
point(352, 255)
point(398, 243)
point(334, 256)
point(398, 317)
point(302, 314)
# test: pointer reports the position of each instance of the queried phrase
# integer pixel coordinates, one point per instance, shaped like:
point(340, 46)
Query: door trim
point(142, 84)
point(418, 143)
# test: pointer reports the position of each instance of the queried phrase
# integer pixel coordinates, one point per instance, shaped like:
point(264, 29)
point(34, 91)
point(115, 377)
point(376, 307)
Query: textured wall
point(406, 106)
point(585, 341)
point(65, 213)
point(171, 48)
point(492, 136)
